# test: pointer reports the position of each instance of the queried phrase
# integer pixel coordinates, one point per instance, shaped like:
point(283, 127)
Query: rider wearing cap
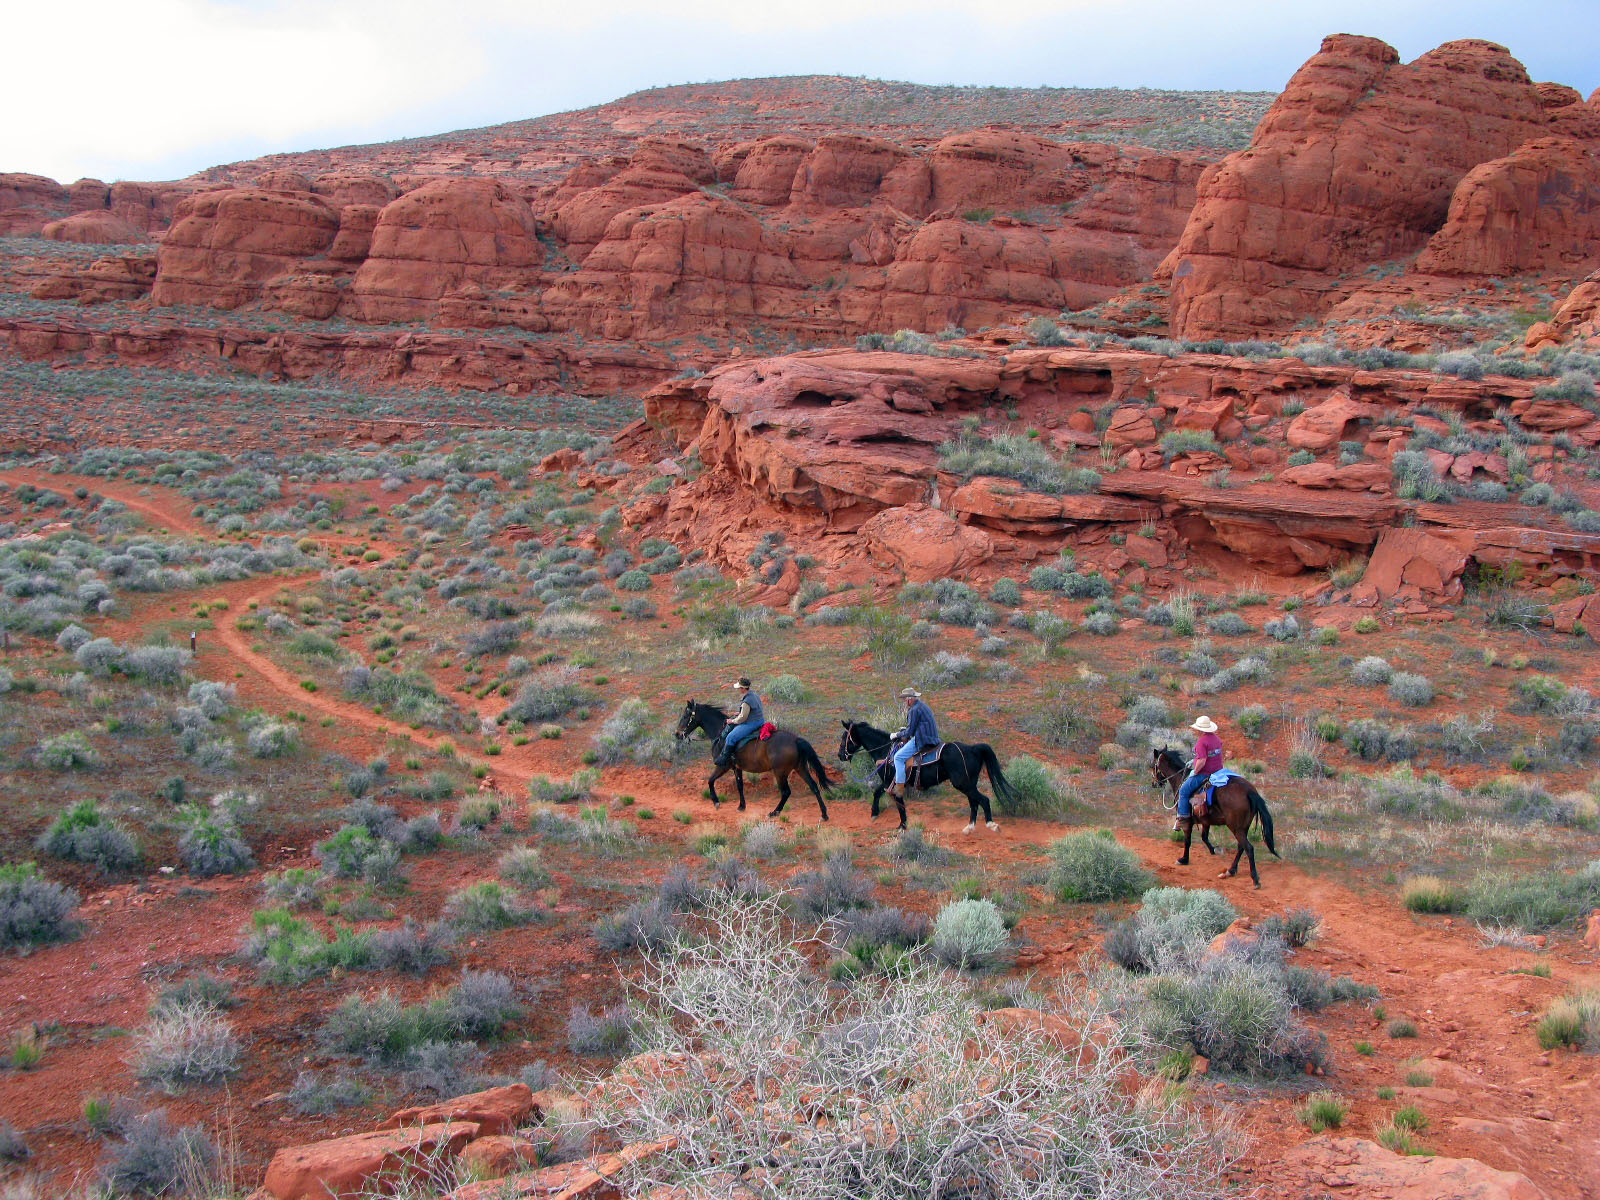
point(746, 722)
point(920, 733)
point(1208, 760)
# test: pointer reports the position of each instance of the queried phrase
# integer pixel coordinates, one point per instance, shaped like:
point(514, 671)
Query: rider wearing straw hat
point(1208, 759)
point(747, 721)
point(920, 733)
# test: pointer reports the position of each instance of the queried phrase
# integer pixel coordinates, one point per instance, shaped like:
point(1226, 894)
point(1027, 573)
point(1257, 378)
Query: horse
point(958, 763)
point(780, 754)
point(1235, 804)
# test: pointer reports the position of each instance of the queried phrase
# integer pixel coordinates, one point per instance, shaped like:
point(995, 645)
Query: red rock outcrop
point(226, 246)
point(92, 228)
point(1355, 163)
point(28, 202)
point(345, 1167)
point(1537, 209)
point(1578, 315)
point(436, 238)
point(924, 544)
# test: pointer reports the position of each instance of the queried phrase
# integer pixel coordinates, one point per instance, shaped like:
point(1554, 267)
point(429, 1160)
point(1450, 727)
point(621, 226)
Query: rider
point(1208, 760)
point(920, 732)
point(747, 721)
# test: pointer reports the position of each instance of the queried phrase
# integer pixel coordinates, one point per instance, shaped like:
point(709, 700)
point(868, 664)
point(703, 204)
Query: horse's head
point(1165, 766)
point(689, 721)
point(847, 741)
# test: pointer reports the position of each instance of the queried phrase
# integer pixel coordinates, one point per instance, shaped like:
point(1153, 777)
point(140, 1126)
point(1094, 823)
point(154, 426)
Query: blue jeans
point(1186, 793)
point(737, 734)
point(903, 756)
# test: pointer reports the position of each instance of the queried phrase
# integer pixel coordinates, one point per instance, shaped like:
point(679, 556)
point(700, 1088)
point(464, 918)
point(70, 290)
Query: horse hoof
point(1182, 862)
point(993, 828)
point(969, 828)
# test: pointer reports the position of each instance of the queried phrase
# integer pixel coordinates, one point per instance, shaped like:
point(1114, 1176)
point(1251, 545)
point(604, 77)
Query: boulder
point(1326, 425)
point(1131, 427)
point(346, 1166)
point(1412, 565)
point(924, 543)
point(1237, 938)
point(496, 1156)
point(1567, 616)
point(1357, 1167)
point(98, 228)
point(590, 1179)
point(498, 1110)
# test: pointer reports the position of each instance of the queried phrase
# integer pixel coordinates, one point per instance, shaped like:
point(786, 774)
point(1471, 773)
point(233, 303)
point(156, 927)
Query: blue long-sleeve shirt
point(920, 725)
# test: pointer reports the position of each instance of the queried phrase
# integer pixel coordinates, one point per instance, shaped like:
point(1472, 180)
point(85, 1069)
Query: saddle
point(1217, 779)
point(917, 774)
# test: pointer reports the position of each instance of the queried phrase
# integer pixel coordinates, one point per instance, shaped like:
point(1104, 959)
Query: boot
point(897, 790)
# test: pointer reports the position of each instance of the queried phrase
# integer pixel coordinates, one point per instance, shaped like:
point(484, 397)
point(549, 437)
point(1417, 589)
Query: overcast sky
point(156, 89)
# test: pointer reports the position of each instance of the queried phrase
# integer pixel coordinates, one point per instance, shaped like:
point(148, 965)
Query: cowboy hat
point(1204, 725)
point(910, 693)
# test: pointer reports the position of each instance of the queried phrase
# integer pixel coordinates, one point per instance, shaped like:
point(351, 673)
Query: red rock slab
point(592, 1179)
point(925, 543)
point(495, 1111)
point(1356, 1167)
point(1411, 564)
point(1008, 505)
point(346, 1166)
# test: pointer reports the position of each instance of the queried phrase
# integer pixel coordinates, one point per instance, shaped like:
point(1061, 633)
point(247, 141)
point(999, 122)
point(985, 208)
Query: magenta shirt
point(1208, 755)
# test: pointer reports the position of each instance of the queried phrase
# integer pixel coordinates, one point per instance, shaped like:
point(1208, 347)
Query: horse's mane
point(1168, 755)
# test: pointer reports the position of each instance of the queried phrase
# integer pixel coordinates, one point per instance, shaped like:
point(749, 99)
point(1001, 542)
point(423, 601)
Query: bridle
point(849, 745)
point(1162, 783)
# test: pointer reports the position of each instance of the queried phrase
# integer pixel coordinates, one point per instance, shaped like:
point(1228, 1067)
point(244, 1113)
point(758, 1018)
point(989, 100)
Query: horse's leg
point(738, 779)
point(1188, 838)
point(1243, 834)
point(1238, 853)
point(783, 791)
point(1205, 836)
point(805, 773)
point(711, 786)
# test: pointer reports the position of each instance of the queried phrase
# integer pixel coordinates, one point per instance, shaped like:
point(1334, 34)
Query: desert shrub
point(314, 1096)
point(566, 624)
point(607, 1031)
point(911, 845)
point(633, 581)
point(162, 665)
point(1170, 931)
point(68, 751)
point(592, 828)
point(552, 693)
point(1092, 866)
point(288, 951)
point(969, 934)
point(482, 907)
point(643, 925)
point(1409, 793)
point(34, 911)
point(185, 1044)
point(13, 1145)
point(762, 839)
point(835, 888)
point(1297, 927)
point(1251, 668)
point(625, 736)
point(1572, 1021)
point(380, 1029)
point(945, 670)
point(200, 991)
point(99, 656)
point(523, 867)
point(345, 855)
point(1410, 689)
point(273, 739)
point(1429, 894)
point(1463, 364)
point(885, 926)
point(293, 887)
point(73, 636)
point(1371, 671)
point(1462, 737)
point(787, 689)
point(1327, 1110)
point(1006, 591)
point(1286, 629)
point(1228, 624)
point(480, 1004)
point(210, 845)
point(1252, 720)
point(1011, 456)
point(155, 1159)
point(1101, 624)
point(1185, 441)
point(1055, 1117)
point(83, 834)
point(575, 789)
point(1037, 790)
point(1062, 720)
point(1534, 900)
point(410, 948)
point(1372, 740)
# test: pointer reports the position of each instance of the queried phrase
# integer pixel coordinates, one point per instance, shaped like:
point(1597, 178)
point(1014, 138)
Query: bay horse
point(780, 754)
point(1235, 804)
point(959, 764)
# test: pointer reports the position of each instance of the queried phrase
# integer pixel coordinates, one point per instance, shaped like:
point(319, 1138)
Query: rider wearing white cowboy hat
point(748, 720)
point(920, 733)
point(1208, 760)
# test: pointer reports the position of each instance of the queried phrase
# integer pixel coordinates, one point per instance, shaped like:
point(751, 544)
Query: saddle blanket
point(923, 757)
point(1218, 778)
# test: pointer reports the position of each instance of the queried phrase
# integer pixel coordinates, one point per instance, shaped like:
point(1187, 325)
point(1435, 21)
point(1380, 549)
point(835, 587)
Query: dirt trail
point(165, 509)
point(1492, 1095)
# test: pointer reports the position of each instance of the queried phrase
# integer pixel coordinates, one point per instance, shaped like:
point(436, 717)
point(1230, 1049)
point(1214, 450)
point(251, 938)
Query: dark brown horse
point(780, 754)
point(1235, 804)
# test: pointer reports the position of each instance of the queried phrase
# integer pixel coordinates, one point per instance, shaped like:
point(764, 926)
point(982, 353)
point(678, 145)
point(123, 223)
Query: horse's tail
point(1259, 807)
point(809, 757)
point(991, 764)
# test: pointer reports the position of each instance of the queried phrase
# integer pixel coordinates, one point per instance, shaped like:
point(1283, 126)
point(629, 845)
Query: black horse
point(959, 764)
point(781, 753)
point(1235, 804)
